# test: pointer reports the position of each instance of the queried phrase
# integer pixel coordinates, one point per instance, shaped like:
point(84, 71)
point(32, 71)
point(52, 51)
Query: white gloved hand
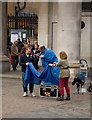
point(41, 56)
point(50, 64)
point(27, 64)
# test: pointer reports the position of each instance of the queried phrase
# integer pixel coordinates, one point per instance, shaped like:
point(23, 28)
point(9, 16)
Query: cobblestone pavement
point(16, 106)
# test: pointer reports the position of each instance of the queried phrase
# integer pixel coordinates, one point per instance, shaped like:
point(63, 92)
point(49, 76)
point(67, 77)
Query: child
point(64, 76)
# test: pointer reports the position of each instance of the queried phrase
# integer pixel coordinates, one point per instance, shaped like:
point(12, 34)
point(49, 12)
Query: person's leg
point(13, 62)
point(61, 87)
point(67, 88)
point(16, 62)
point(24, 88)
point(31, 88)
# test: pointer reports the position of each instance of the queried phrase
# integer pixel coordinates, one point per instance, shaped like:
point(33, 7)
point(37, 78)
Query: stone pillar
point(43, 24)
point(4, 60)
point(69, 30)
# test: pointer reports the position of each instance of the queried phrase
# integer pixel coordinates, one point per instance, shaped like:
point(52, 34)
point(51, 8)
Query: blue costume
point(48, 57)
point(49, 75)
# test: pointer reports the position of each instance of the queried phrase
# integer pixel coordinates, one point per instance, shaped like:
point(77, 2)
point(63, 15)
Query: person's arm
point(41, 56)
point(60, 63)
point(63, 64)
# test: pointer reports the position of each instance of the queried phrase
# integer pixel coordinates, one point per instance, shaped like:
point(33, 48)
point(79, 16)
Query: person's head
point(35, 42)
point(36, 46)
point(42, 48)
point(16, 42)
point(26, 45)
point(63, 55)
point(28, 51)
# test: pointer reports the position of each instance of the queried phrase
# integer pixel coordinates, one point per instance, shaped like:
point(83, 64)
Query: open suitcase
point(48, 90)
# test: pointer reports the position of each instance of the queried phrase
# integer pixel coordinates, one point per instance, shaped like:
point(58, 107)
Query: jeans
point(31, 86)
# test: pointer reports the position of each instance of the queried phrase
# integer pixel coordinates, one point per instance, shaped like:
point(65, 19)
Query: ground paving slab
point(14, 105)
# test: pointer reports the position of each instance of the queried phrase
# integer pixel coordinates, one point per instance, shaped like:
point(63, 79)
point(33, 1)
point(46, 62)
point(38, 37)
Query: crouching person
point(25, 59)
point(64, 76)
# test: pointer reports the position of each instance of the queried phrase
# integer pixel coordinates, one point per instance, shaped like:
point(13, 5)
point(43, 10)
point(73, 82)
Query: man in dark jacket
point(25, 59)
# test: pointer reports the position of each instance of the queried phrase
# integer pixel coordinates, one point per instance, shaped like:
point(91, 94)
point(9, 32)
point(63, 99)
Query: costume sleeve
point(50, 56)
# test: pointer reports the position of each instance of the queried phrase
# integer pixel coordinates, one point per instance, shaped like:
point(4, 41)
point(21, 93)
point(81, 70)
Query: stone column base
point(4, 64)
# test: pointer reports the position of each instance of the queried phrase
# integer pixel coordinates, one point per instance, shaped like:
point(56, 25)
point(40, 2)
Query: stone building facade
point(59, 27)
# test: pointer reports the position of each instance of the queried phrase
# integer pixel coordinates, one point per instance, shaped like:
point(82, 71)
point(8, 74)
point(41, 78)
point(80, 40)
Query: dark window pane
point(87, 6)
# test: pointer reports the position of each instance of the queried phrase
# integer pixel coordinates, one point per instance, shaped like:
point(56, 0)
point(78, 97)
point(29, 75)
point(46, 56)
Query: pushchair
point(79, 79)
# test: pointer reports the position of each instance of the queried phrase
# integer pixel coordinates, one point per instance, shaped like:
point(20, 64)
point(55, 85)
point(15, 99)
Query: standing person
point(64, 76)
point(19, 45)
point(47, 56)
point(25, 59)
point(35, 43)
point(36, 56)
point(14, 55)
point(10, 52)
point(25, 45)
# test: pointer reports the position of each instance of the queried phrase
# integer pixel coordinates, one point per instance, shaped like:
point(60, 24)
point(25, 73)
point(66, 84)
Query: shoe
point(24, 94)
point(14, 69)
point(32, 94)
point(68, 97)
point(60, 98)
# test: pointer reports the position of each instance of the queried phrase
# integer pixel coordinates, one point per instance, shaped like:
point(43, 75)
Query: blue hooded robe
point(50, 75)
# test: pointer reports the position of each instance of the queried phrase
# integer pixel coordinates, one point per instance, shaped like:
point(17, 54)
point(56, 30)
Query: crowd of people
point(24, 53)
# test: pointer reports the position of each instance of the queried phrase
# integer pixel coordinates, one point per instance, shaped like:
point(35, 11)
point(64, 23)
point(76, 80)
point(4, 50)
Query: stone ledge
point(4, 58)
point(10, 76)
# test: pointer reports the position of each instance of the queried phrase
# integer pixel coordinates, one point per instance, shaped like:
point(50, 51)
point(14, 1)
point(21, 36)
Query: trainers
point(32, 94)
point(24, 94)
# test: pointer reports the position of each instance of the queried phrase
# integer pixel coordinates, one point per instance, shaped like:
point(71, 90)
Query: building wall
point(85, 38)
point(52, 24)
point(43, 24)
point(41, 9)
point(48, 18)
point(64, 29)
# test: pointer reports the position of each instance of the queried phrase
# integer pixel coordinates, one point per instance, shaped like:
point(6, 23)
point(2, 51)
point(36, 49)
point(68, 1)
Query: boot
point(60, 98)
point(68, 97)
